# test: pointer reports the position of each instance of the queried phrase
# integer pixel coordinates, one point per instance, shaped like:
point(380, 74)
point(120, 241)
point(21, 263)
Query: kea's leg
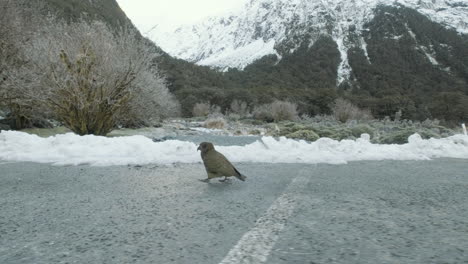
point(225, 179)
point(210, 176)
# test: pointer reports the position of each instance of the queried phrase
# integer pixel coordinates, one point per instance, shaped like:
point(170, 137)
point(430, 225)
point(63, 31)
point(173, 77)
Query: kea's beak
point(198, 148)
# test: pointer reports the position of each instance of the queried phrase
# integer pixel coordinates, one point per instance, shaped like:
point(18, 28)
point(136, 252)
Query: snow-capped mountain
point(280, 27)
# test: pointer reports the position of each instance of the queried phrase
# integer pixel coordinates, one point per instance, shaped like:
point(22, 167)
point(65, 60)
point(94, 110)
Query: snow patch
point(451, 16)
point(412, 34)
point(430, 57)
point(397, 37)
point(71, 149)
point(424, 49)
point(344, 69)
point(242, 56)
point(364, 48)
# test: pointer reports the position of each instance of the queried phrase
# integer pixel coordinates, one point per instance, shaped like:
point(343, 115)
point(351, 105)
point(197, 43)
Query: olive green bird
point(216, 164)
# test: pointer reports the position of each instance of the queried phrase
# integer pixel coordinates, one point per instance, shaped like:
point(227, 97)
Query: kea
point(216, 164)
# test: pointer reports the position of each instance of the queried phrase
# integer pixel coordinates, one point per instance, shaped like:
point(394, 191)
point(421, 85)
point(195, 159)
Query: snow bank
point(70, 149)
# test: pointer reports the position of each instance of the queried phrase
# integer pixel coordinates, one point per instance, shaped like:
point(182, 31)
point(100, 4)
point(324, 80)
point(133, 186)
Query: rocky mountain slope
point(280, 27)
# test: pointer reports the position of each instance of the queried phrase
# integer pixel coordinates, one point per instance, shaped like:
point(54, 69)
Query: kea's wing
point(217, 163)
point(235, 172)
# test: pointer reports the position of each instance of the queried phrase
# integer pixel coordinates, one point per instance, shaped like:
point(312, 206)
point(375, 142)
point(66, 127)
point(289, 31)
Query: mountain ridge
point(269, 27)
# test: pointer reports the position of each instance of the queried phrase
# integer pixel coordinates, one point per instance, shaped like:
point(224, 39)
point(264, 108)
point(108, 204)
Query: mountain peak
point(279, 27)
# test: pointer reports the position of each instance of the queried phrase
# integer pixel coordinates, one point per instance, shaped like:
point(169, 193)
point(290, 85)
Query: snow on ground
point(71, 149)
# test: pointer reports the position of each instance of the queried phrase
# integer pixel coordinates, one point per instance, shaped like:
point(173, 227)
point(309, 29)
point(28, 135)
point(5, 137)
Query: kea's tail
point(240, 176)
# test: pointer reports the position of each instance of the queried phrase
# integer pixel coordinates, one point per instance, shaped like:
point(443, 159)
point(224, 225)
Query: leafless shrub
point(10, 40)
point(398, 115)
point(17, 24)
point(343, 110)
point(201, 109)
point(217, 122)
point(306, 117)
point(205, 109)
point(276, 111)
point(282, 110)
point(215, 110)
point(263, 112)
point(96, 77)
point(233, 117)
point(240, 108)
point(151, 101)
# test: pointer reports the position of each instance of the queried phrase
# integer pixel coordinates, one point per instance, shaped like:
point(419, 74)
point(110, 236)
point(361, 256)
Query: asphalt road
point(362, 212)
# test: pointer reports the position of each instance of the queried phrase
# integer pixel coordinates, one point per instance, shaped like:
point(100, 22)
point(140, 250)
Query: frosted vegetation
point(85, 74)
point(381, 132)
point(347, 121)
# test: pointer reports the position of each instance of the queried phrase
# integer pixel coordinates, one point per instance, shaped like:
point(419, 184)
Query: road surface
point(362, 212)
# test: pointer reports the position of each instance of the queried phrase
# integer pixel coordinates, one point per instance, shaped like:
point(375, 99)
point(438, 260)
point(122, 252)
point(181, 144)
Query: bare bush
point(240, 108)
point(343, 110)
point(276, 111)
point(217, 122)
point(205, 109)
point(263, 112)
point(150, 102)
point(398, 115)
point(17, 23)
point(10, 40)
point(201, 109)
point(95, 77)
point(282, 111)
point(215, 110)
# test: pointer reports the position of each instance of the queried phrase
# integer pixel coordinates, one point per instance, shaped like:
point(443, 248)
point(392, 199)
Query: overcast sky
point(147, 13)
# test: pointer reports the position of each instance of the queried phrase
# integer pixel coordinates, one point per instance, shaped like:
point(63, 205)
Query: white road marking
point(255, 245)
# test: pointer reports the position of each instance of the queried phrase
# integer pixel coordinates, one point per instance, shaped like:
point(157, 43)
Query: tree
point(9, 38)
point(94, 78)
point(14, 32)
point(450, 106)
point(343, 110)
